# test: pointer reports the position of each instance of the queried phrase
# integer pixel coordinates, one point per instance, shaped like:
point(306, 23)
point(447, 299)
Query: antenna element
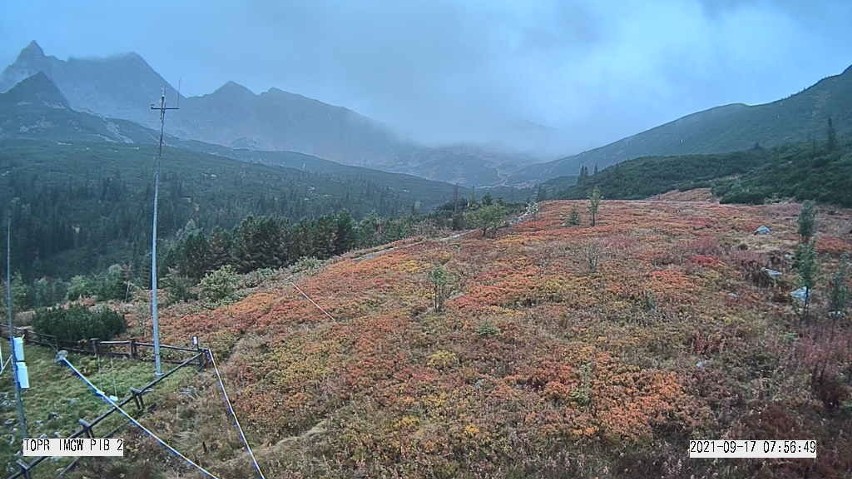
point(155, 320)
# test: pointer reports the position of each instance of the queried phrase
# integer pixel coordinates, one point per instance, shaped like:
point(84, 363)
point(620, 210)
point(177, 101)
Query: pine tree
point(219, 249)
point(345, 237)
point(806, 265)
point(584, 174)
point(807, 221)
point(573, 218)
point(489, 218)
point(194, 256)
point(839, 296)
point(439, 279)
point(831, 143)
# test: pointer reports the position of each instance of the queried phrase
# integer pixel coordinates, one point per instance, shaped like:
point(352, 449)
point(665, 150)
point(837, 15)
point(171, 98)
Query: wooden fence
point(133, 349)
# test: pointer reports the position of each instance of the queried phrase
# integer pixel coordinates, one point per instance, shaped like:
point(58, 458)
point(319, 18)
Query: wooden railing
point(131, 348)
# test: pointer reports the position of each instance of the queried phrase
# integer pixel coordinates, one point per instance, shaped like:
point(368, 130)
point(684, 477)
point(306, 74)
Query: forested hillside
point(84, 206)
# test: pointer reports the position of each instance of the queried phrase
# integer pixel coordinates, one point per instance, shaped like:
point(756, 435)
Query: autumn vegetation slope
point(559, 351)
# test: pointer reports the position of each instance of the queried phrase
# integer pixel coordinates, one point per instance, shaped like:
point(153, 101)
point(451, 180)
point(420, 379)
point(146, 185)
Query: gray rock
point(801, 295)
point(771, 273)
point(762, 230)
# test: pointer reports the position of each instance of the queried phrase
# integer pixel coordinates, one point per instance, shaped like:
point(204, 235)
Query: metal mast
point(22, 418)
point(154, 315)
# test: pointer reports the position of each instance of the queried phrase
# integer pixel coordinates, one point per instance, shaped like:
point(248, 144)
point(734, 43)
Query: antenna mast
point(154, 313)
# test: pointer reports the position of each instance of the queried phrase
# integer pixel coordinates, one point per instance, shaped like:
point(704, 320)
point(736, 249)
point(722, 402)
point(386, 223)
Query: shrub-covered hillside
point(800, 171)
point(559, 351)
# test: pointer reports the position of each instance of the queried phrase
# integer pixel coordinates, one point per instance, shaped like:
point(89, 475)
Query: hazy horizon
point(558, 77)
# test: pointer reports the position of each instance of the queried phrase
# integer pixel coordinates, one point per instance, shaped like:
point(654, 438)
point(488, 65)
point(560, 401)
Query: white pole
point(22, 418)
point(154, 314)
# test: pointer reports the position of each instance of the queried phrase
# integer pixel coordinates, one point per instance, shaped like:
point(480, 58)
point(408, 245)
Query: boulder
point(762, 230)
point(771, 273)
point(801, 295)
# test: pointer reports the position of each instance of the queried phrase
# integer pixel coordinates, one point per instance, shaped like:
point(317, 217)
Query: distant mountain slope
point(798, 170)
point(277, 120)
point(723, 129)
point(36, 109)
point(121, 86)
point(124, 86)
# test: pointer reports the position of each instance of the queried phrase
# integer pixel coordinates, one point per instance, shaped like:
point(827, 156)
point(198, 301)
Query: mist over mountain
point(277, 120)
point(121, 86)
point(233, 116)
point(35, 109)
point(124, 86)
point(799, 117)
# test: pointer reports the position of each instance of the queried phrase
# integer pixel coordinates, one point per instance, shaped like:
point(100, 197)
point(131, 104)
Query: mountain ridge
point(123, 86)
point(23, 116)
point(39, 89)
point(36, 109)
point(721, 129)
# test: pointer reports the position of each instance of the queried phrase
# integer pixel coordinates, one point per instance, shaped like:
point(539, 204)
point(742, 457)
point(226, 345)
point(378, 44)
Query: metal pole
point(22, 418)
point(154, 313)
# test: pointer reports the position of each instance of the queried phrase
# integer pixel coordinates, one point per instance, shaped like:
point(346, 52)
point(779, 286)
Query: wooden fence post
point(87, 428)
point(202, 357)
point(138, 399)
point(134, 353)
point(25, 469)
point(94, 343)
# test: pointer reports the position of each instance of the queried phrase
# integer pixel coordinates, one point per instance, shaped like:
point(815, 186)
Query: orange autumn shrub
point(536, 367)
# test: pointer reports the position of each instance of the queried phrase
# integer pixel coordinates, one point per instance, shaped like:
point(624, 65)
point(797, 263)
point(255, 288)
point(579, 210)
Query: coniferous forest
point(79, 209)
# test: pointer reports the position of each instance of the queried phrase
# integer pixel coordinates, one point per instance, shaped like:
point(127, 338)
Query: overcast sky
point(444, 71)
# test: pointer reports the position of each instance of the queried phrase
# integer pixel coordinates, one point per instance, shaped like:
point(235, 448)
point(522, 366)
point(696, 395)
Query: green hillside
point(800, 117)
point(801, 171)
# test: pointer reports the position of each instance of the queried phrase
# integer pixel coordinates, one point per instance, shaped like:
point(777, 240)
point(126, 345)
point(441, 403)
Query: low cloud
point(551, 75)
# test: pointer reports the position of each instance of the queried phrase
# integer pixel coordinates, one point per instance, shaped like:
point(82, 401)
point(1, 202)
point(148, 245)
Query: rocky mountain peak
point(32, 51)
point(233, 89)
